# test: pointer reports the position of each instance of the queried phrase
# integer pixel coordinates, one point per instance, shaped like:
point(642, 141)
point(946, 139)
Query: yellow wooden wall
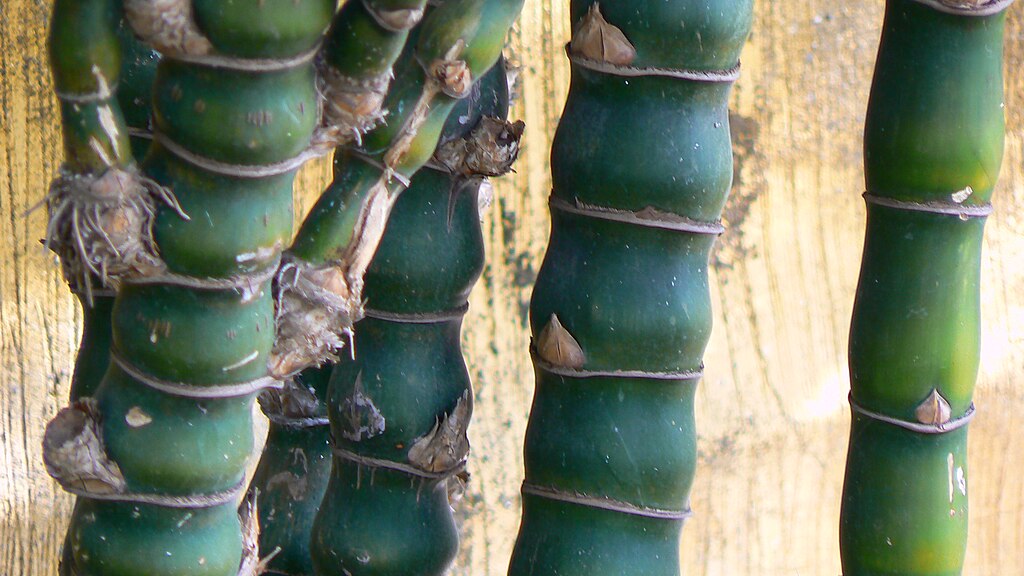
point(771, 410)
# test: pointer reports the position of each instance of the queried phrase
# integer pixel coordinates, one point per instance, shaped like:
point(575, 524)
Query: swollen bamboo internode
point(933, 144)
point(621, 314)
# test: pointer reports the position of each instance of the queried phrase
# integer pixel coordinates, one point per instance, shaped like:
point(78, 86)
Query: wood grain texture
point(772, 408)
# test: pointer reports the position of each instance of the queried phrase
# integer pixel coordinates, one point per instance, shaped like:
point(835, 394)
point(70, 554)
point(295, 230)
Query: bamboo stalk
point(296, 463)
point(621, 314)
point(933, 146)
point(158, 452)
point(320, 287)
point(399, 409)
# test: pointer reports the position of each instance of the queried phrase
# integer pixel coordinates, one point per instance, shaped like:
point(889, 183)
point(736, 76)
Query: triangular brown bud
point(934, 410)
point(558, 347)
point(361, 418)
point(446, 445)
point(597, 39)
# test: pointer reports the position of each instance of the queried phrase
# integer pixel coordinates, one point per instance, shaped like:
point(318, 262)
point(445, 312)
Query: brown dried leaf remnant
point(935, 410)
point(361, 418)
point(597, 39)
point(351, 106)
point(446, 445)
point(167, 25)
point(101, 226)
point(557, 346)
point(489, 150)
point(74, 454)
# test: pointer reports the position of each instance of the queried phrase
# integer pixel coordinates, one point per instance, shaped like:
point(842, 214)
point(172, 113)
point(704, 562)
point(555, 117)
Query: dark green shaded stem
point(933, 146)
point(621, 312)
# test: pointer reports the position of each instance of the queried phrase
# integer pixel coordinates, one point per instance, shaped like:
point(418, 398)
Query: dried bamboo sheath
point(621, 313)
point(933, 148)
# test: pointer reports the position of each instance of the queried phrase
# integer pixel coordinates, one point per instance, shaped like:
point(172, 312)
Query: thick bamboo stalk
point(933, 145)
point(158, 453)
point(641, 167)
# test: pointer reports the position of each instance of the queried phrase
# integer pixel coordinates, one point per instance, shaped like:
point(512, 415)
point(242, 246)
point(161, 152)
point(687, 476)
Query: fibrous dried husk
point(451, 73)
point(351, 106)
point(558, 347)
point(935, 410)
point(167, 25)
point(489, 149)
point(361, 420)
point(597, 39)
point(293, 400)
point(102, 226)
point(249, 520)
point(447, 444)
point(316, 308)
point(74, 454)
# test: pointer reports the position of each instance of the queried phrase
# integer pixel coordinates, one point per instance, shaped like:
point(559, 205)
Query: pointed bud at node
point(451, 73)
point(597, 39)
point(74, 454)
point(935, 410)
point(293, 400)
point(556, 346)
point(447, 444)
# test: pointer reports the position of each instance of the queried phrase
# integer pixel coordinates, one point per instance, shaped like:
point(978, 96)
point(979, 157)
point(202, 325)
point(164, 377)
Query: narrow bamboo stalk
point(399, 410)
point(933, 146)
point(641, 166)
point(158, 453)
point(322, 281)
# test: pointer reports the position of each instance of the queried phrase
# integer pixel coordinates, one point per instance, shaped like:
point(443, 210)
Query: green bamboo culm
point(321, 284)
point(621, 313)
point(400, 409)
point(158, 453)
point(933, 146)
point(138, 67)
point(296, 462)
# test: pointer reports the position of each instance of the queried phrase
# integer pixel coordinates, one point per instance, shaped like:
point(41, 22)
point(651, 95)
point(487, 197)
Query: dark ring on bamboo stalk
point(261, 65)
point(424, 318)
point(104, 93)
point(214, 392)
point(398, 466)
point(573, 373)
point(729, 75)
point(243, 282)
point(648, 217)
point(603, 503)
point(240, 170)
point(948, 7)
point(167, 500)
point(948, 426)
point(947, 208)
